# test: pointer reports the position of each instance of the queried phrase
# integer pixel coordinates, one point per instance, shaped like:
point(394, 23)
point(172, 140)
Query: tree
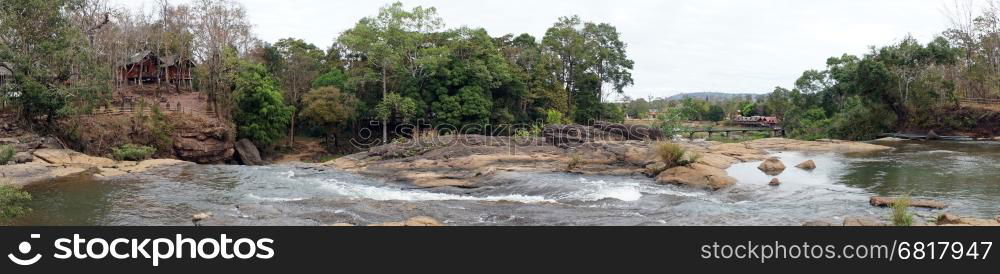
point(588, 50)
point(223, 33)
point(392, 40)
point(300, 64)
point(395, 106)
point(329, 107)
point(716, 113)
point(260, 113)
point(54, 74)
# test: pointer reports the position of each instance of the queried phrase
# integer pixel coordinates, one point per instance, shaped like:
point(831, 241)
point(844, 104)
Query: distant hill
point(713, 96)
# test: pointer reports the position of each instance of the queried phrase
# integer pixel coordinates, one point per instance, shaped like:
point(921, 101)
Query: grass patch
point(574, 162)
point(13, 201)
point(674, 155)
point(901, 212)
point(6, 154)
point(132, 152)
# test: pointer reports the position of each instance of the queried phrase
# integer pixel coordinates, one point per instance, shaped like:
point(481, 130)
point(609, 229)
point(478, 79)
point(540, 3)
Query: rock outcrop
point(888, 202)
point(249, 155)
point(772, 166)
point(697, 176)
point(51, 164)
point(204, 141)
point(775, 182)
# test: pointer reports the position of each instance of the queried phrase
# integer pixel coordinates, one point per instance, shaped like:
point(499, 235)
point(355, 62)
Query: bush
point(12, 202)
point(673, 155)
point(554, 117)
point(901, 212)
point(574, 162)
point(6, 154)
point(132, 152)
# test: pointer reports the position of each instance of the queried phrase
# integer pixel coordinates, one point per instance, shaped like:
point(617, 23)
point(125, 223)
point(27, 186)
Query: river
point(964, 175)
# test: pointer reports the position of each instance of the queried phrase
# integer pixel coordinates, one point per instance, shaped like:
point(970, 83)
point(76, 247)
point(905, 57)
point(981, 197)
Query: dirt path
point(306, 149)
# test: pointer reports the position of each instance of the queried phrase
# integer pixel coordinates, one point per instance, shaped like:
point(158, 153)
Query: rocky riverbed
point(470, 161)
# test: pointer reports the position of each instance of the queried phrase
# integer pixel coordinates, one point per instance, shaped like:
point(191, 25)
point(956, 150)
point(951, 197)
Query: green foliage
point(54, 74)
point(471, 106)
point(554, 117)
point(716, 113)
point(394, 106)
point(260, 114)
point(6, 154)
point(333, 78)
point(131, 152)
point(670, 122)
point(613, 113)
point(901, 212)
point(329, 106)
point(858, 121)
point(13, 202)
point(813, 125)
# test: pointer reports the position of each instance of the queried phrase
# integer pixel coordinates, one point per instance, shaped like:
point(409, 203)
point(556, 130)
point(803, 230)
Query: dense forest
point(401, 65)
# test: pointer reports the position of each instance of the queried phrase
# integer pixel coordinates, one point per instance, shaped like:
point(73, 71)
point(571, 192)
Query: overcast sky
point(678, 46)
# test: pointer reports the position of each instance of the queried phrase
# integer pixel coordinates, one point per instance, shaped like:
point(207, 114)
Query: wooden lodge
point(148, 68)
point(6, 75)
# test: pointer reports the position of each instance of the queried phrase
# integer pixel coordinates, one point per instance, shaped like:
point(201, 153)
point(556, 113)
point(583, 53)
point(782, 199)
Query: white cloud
point(678, 46)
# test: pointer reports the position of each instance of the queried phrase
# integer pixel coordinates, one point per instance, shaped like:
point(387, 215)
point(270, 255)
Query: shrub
point(554, 117)
point(6, 154)
point(901, 212)
point(574, 162)
point(132, 152)
point(673, 155)
point(12, 201)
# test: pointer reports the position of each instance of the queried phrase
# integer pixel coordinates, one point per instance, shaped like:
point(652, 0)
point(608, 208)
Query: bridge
point(775, 132)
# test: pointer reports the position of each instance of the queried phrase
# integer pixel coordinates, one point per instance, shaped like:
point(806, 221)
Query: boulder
point(697, 176)
point(775, 182)
point(248, 153)
point(807, 165)
point(949, 219)
point(888, 202)
point(933, 135)
point(772, 166)
point(654, 169)
point(197, 218)
point(204, 141)
point(23, 157)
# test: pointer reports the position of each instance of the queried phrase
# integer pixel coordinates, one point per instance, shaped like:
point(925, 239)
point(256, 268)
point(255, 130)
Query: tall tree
point(301, 63)
point(390, 41)
point(222, 29)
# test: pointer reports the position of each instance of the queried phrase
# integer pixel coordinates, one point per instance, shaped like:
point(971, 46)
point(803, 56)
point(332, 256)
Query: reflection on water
point(965, 175)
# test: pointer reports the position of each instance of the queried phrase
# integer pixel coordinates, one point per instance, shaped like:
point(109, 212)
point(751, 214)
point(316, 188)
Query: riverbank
point(50, 164)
